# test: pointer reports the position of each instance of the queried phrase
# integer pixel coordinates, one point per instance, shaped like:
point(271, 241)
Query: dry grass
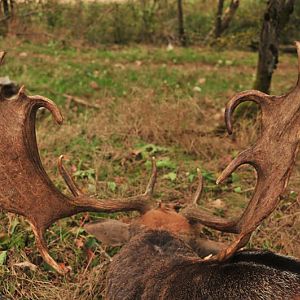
point(148, 105)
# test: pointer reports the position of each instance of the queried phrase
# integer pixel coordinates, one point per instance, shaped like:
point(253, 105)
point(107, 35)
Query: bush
point(139, 21)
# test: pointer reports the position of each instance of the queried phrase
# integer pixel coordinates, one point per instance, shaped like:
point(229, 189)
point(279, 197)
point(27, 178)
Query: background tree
point(181, 31)
point(8, 8)
point(223, 19)
point(148, 13)
point(7, 13)
point(275, 18)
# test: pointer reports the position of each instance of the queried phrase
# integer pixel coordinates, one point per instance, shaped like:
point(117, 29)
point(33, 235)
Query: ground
point(140, 101)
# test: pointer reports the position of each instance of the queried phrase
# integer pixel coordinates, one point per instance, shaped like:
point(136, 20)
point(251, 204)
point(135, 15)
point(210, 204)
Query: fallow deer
point(163, 259)
point(157, 262)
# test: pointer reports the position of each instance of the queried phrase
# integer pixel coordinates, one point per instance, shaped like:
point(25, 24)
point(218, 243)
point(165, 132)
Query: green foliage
point(147, 21)
point(238, 189)
point(3, 256)
point(81, 174)
point(149, 150)
point(166, 163)
point(112, 185)
point(172, 176)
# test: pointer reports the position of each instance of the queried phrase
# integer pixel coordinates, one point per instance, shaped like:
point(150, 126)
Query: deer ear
point(206, 247)
point(109, 232)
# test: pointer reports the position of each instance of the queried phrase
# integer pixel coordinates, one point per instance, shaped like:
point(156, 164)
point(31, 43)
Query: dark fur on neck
point(268, 259)
point(158, 265)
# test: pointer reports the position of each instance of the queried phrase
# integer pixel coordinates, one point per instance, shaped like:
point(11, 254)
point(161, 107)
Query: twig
point(75, 100)
point(79, 101)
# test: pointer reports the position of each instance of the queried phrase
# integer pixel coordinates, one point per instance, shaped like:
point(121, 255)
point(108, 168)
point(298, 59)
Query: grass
point(151, 102)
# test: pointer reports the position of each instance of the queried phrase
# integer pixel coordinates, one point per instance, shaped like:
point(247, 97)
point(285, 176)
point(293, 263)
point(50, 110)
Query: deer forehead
point(167, 219)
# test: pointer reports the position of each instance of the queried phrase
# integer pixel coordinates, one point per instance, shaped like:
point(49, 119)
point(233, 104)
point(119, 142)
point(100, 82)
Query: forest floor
point(140, 101)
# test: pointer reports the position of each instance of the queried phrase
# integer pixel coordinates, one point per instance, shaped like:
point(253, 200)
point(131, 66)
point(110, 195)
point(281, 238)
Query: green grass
point(151, 102)
point(116, 73)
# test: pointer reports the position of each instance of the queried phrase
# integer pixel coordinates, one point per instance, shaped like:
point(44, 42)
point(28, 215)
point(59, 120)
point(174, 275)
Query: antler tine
point(43, 249)
point(298, 52)
point(151, 184)
point(77, 192)
point(40, 101)
point(194, 214)
point(68, 178)
point(198, 192)
point(242, 158)
point(139, 203)
point(252, 95)
point(273, 157)
point(36, 102)
point(37, 198)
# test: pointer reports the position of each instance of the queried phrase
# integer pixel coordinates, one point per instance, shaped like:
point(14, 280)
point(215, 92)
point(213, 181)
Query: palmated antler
point(25, 187)
point(272, 156)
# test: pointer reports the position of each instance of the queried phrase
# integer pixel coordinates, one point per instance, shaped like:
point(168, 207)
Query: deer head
point(26, 189)
point(158, 216)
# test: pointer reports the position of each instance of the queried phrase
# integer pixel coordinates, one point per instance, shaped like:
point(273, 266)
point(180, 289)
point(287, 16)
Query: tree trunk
point(5, 8)
point(218, 23)
point(223, 21)
point(12, 6)
point(229, 14)
point(181, 32)
point(275, 18)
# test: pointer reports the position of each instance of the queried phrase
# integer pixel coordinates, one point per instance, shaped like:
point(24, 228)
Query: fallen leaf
point(138, 63)
point(73, 168)
point(119, 66)
point(26, 264)
point(170, 47)
point(201, 80)
point(94, 85)
point(197, 89)
point(65, 268)
point(79, 243)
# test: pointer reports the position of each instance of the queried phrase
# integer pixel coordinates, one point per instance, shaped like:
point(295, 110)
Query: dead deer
point(163, 259)
point(158, 265)
point(26, 189)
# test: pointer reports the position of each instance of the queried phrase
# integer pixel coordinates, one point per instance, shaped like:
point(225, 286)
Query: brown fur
point(164, 218)
point(158, 265)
